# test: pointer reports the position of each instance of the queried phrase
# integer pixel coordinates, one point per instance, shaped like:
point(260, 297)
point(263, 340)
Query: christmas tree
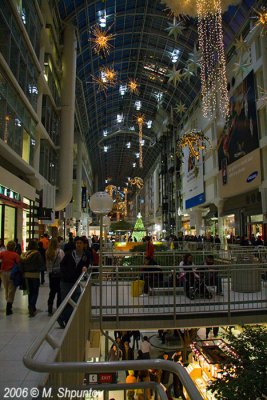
point(139, 230)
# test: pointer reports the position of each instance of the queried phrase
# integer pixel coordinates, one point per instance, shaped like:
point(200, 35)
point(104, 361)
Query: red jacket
point(149, 249)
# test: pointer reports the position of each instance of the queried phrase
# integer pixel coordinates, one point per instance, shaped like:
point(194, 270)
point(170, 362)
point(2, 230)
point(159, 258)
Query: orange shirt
point(45, 242)
point(9, 258)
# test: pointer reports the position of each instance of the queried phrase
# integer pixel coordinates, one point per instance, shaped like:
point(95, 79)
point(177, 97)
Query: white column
point(66, 141)
point(198, 221)
point(79, 179)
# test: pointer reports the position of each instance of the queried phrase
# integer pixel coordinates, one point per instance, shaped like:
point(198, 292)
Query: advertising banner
point(238, 145)
point(193, 180)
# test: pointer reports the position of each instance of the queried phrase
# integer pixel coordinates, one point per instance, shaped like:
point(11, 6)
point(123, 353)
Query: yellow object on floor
point(137, 288)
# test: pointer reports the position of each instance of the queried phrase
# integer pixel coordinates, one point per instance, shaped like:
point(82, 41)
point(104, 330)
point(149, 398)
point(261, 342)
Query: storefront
point(208, 361)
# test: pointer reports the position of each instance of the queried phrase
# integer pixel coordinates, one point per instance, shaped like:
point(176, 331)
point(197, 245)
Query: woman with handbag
point(9, 258)
point(53, 256)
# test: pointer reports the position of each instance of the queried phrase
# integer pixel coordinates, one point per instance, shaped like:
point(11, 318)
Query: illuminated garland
point(140, 121)
point(213, 65)
point(195, 140)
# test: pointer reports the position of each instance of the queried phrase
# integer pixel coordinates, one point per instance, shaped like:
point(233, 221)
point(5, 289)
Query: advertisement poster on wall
point(238, 145)
point(193, 180)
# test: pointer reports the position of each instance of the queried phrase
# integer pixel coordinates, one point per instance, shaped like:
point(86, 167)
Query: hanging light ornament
point(137, 181)
point(262, 19)
point(140, 119)
point(133, 86)
point(195, 140)
point(100, 41)
point(110, 75)
point(213, 65)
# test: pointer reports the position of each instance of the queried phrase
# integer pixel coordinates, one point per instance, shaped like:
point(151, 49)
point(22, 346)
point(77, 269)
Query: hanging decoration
point(101, 83)
point(241, 45)
point(110, 75)
point(133, 86)
point(262, 19)
point(140, 119)
point(180, 108)
point(175, 29)
point(213, 65)
point(189, 7)
point(194, 60)
point(195, 140)
point(137, 181)
point(100, 41)
point(175, 76)
point(240, 67)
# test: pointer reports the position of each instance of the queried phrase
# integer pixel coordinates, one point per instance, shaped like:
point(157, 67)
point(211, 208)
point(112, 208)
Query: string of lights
point(140, 121)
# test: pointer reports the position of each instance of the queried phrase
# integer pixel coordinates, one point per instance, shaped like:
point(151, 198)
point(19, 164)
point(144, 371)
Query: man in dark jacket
point(31, 264)
point(71, 267)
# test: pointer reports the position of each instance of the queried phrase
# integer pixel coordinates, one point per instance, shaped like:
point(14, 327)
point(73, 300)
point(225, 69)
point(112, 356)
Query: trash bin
point(137, 288)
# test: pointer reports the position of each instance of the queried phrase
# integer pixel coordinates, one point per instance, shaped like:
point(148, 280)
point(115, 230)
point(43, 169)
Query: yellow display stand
point(137, 288)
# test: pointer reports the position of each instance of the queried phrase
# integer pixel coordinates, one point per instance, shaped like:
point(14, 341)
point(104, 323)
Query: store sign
point(44, 213)
point(13, 202)
point(105, 378)
point(193, 180)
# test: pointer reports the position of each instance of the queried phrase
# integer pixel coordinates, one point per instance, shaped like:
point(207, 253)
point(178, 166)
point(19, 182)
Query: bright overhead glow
point(105, 132)
point(158, 95)
point(123, 89)
point(138, 105)
point(119, 118)
point(105, 149)
point(137, 155)
point(175, 55)
point(128, 145)
point(132, 128)
point(149, 124)
point(142, 142)
point(134, 164)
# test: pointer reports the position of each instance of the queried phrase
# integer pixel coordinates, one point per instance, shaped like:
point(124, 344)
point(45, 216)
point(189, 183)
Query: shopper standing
point(9, 257)
point(145, 348)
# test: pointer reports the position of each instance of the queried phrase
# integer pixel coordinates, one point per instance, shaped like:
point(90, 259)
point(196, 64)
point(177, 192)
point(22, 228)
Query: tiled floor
point(17, 332)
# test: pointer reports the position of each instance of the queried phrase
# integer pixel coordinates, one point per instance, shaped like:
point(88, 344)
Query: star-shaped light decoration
point(195, 140)
point(133, 86)
point(175, 76)
point(240, 67)
point(180, 108)
point(194, 59)
point(262, 19)
point(110, 75)
point(175, 28)
point(241, 45)
point(100, 41)
point(102, 84)
point(188, 74)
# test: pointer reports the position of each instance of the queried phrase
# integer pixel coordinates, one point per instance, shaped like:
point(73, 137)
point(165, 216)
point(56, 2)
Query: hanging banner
point(84, 197)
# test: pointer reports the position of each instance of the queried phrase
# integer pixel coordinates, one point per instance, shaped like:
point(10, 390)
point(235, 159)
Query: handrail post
point(229, 293)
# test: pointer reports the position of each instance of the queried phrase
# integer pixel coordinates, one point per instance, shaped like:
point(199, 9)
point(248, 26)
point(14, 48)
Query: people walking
point(54, 255)
point(9, 258)
point(31, 264)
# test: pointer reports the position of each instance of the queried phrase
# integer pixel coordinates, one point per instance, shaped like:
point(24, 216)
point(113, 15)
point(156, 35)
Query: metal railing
point(60, 353)
point(133, 291)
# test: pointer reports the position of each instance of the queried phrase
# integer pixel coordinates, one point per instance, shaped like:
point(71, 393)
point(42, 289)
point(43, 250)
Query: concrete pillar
point(219, 204)
point(79, 178)
point(65, 175)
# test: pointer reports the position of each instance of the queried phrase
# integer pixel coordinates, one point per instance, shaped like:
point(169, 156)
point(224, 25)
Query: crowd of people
point(124, 349)
point(63, 263)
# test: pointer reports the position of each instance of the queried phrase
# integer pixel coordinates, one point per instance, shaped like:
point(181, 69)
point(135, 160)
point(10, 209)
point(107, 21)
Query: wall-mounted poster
point(193, 180)
point(238, 145)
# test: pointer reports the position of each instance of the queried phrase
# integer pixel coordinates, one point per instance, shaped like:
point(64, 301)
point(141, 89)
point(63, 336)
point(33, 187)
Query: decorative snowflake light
point(133, 86)
point(137, 181)
point(140, 119)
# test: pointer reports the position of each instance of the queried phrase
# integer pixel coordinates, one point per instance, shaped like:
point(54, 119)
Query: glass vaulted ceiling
point(142, 50)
